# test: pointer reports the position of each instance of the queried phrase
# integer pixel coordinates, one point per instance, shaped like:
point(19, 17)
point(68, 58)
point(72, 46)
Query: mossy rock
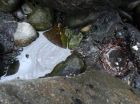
point(73, 65)
point(41, 19)
point(74, 38)
point(9, 5)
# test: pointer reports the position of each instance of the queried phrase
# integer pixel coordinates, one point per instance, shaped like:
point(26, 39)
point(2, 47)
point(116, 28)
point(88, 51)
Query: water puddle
point(38, 59)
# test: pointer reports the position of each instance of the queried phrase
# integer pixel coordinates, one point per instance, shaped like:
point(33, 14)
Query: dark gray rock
point(134, 34)
point(16, 30)
point(70, 6)
point(73, 65)
point(8, 23)
point(103, 28)
point(74, 6)
point(41, 18)
point(82, 19)
point(12, 33)
point(92, 87)
point(9, 5)
point(8, 50)
point(137, 15)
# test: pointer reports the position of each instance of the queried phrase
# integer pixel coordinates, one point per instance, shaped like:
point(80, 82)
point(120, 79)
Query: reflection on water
point(38, 59)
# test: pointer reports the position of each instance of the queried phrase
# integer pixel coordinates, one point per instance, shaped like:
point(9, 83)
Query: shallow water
point(38, 59)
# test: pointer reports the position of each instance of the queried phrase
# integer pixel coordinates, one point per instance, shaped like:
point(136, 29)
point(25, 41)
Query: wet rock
point(81, 12)
point(75, 6)
point(8, 50)
point(115, 60)
point(137, 15)
point(57, 35)
point(84, 19)
point(6, 17)
point(24, 11)
point(9, 5)
point(89, 51)
point(41, 18)
point(7, 43)
point(126, 16)
point(64, 37)
point(75, 41)
point(59, 17)
point(134, 44)
point(133, 80)
point(8, 23)
point(27, 8)
point(13, 68)
point(103, 28)
point(7, 58)
point(19, 15)
point(115, 52)
point(135, 83)
point(73, 65)
point(24, 34)
point(133, 4)
point(79, 20)
point(92, 87)
point(73, 38)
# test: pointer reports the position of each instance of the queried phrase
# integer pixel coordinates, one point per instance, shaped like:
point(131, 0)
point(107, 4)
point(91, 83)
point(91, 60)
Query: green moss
point(74, 38)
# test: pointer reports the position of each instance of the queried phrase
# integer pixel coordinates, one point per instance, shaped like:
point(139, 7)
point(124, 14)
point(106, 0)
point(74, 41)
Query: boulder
point(74, 6)
point(91, 87)
point(9, 5)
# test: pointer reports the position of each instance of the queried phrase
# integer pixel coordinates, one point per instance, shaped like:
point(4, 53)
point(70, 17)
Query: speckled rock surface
point(74, 6)
point(9, 5)
point(88, 88)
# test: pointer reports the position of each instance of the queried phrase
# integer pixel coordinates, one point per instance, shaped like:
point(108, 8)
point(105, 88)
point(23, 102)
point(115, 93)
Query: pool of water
point(38, 59)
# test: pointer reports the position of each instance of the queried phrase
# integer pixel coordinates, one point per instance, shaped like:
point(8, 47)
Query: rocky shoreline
point(102, 44)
